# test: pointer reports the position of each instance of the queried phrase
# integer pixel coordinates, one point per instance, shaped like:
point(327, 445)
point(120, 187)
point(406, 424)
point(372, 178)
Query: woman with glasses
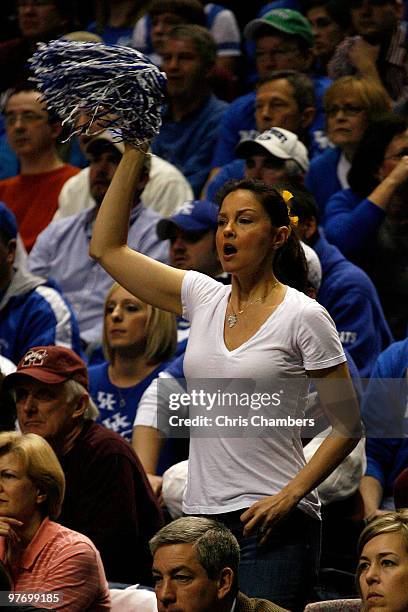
point(368, 222)
point(351, 104)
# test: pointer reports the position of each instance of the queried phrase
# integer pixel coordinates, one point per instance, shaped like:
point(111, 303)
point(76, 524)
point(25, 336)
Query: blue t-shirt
point(9, 164)
point(234, 170)
point(113, 36)
point(189, 144)
point(117, 406)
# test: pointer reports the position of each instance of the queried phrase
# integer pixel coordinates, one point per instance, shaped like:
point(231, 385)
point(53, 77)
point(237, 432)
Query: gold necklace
point(232, 319)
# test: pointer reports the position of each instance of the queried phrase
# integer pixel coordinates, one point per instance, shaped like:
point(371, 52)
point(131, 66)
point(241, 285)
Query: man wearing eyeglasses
point(107, 496)
point(32, 134)
point(379, 51)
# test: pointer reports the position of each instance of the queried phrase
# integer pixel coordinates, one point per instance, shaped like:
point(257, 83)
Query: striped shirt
point(392, 62)
point(61, 561)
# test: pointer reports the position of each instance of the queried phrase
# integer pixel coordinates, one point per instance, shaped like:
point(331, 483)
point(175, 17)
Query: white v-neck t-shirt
point(231, 473)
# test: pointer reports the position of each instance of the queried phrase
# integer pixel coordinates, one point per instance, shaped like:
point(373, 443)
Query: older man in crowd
point(195, 569)
point(107, 495)
point(283, 40)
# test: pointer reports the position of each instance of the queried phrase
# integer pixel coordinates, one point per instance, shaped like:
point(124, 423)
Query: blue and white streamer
point(117, 86)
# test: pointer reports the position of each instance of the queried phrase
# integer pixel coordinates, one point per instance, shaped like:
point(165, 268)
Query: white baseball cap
point(278, 142)
point(113, 138)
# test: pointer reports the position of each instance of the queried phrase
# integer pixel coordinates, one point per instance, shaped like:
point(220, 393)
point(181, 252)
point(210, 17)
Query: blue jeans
point(285, 569)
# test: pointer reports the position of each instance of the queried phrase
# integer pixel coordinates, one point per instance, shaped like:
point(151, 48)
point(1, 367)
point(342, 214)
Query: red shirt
point(61, 561)
point(33, 198)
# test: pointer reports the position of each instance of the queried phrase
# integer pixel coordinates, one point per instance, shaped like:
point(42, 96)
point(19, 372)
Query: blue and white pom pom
point(118, 86)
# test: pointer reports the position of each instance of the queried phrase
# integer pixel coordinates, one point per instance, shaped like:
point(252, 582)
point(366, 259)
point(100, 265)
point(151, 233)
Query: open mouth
point(229, 249)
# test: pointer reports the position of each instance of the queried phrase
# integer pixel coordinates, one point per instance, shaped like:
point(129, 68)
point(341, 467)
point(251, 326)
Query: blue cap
point(8, 223)
point(192, 216)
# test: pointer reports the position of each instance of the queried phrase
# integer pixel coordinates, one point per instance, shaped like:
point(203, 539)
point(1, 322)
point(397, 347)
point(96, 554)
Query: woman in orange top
point(53, 566)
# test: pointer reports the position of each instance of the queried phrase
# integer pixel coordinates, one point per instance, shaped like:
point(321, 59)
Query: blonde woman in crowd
point(40, 555)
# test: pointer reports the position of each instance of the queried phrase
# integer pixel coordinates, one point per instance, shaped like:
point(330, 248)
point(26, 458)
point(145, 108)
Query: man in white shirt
point(165, 191)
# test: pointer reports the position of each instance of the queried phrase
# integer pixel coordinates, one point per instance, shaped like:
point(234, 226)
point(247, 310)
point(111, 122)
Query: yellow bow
point(287, 196)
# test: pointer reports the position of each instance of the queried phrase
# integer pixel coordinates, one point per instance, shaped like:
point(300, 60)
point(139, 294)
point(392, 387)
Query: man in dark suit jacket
point(195, 569)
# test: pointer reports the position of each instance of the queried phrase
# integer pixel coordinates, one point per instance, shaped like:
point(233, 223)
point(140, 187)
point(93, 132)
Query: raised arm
point(149, 280)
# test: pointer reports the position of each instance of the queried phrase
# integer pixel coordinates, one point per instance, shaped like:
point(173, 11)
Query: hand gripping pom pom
point(116, 86)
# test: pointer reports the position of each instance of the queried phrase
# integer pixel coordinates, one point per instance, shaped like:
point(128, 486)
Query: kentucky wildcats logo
point(186, 208)
point(273, 132)
point(34, 358)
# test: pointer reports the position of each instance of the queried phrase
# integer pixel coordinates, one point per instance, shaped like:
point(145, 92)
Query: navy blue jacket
point(321, 178)
point(352, 301)
point(384, 414)
point(352, 224)
point(34, 313)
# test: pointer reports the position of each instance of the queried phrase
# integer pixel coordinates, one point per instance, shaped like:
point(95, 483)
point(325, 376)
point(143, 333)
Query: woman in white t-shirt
point(258, 328)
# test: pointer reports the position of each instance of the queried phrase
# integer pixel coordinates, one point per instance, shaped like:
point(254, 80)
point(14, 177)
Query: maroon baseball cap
point(52, 365)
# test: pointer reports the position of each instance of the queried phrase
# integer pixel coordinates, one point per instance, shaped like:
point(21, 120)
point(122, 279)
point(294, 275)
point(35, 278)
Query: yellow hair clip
point(287, 196)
